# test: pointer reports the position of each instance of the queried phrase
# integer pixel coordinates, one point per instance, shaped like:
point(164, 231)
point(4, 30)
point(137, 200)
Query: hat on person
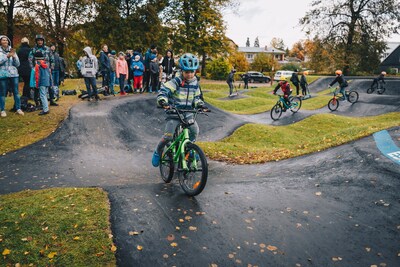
point(113, 52)
point(137, 57)
point(24, 40)
point(152, 56)
point(38, 55)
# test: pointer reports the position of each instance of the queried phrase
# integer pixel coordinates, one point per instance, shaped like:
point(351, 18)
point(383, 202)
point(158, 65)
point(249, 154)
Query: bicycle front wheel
point(194, 179)
point(167, 166)
point(370, 90)
point(276, 112)
point(381, 90)
point(295, 104)
point(333, 104)
point(353, 97)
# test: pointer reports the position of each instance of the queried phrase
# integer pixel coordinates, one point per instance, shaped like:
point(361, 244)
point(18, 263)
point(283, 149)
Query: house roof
point(247, 49)
point(393, 59)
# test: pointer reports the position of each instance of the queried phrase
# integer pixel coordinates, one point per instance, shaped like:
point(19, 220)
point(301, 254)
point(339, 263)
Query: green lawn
point(256, 100)
point(258, 143)
point(56, 227)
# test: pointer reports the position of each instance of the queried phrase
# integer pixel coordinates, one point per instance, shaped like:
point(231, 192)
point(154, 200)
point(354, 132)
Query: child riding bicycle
point(342, 82)
point(285, 87)
point(380, 78)
point(183, 92)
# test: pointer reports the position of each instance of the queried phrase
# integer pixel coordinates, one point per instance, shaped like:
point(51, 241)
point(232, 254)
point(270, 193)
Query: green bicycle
point(282, 106)
point(184, 156)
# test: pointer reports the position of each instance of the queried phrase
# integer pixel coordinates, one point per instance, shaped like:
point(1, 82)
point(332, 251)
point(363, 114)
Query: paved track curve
point(324, 209)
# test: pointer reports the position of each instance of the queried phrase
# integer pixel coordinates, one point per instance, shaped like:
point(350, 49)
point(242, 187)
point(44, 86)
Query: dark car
point(255, 76)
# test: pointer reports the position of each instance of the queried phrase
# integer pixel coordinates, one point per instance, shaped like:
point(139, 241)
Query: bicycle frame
point(282, 100)
point(181, 141)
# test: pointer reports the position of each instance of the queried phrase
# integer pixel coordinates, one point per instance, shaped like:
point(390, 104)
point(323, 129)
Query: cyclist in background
point(341, 81)
point(380, 78)
point(285, 87)
point(183, 92)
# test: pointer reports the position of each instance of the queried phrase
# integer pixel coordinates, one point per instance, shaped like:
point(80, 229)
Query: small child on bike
point(183, 92)
point(285, 87)
point(341, 81)
point(380, 78)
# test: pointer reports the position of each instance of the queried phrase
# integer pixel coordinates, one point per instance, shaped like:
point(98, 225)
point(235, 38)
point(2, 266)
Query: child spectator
point(168, 65)
point(121, 70)
point(285, 87)
point(43, 80)
point(138, 68)
point(89, 69)
point(182, 92)
point(9, 62)
point(154, 70)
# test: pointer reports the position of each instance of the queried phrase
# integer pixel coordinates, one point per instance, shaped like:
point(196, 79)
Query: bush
point(218, 69)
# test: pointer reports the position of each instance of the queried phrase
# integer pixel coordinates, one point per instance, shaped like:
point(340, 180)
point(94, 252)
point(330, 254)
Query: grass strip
point(258, 143)
point(56, 227)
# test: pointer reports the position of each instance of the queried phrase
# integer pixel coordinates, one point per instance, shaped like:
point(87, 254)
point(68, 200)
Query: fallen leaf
point(174, 244)
point(113, 248)
point(231, 256)
point(26, 252)
point(185, 237)
point(213, 265)
point(238, 261)
point(17, 265)
point(188, 218)
point(298, 225)
point(75, 226)
point(262, 245)
point(76, 238)
point(368, 249)
point(133, 233)
point(24, 239)
point(100, 254)
point(140, 248)
point(51, 255)
point(192, 228)
point(177, 228)
point(6, 252)
point(271, 248)
point(181, 220)
point(374, 265)
point(165, 256)
point(318, 193)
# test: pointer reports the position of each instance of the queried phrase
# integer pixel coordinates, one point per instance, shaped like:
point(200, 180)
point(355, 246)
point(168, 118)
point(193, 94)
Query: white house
point(251, 52)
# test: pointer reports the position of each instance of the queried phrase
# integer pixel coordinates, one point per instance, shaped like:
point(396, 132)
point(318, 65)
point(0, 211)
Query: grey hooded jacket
point(89, 63)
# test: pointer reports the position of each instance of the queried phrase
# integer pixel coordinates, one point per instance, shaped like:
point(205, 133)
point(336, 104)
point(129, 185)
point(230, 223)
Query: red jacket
point(285, 86)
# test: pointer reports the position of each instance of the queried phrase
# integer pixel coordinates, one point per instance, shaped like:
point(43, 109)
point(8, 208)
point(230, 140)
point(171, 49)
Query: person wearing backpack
point(89, 70)
point(295, 80)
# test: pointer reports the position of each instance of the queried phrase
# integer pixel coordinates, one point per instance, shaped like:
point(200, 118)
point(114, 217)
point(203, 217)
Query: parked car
point(285, 73)
point(255, 76)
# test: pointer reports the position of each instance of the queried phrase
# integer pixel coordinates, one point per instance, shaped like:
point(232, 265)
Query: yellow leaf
point(51, 255)
point(271, 248)
point(181, 220)
point(192, 228)
point(26, 252)
point(6, 252)
point(173, 244)
point(75, 226)
point(22, 215)
point(76, 238)
point(188, 218)
point(133, 233)
point(262, 245)
point(113, 248)
point(100, 254)
point(140, 248)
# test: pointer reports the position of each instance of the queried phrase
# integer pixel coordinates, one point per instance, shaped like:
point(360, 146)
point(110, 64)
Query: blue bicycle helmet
point(188, 62)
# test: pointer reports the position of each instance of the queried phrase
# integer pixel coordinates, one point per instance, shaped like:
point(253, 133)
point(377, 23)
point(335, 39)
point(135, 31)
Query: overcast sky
point(267, 19)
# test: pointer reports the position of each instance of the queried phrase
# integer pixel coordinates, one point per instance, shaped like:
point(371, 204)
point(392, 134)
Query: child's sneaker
point(3, 114)
point(155, 160)
point(20, 112)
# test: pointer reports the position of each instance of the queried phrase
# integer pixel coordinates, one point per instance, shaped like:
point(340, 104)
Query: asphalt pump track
point(338, 207)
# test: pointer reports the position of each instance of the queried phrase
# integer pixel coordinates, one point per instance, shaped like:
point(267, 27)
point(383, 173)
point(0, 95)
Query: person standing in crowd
point(55, 72)
point(79, 66)
point(89, 69)
point(295, 80)
point(168, 65)
point(24, 68)
point(138, 68)
point(154, 77)
point(121, 70)
point(105, 66)
point(147, 74)
point(9, 76)
point(42, 80)
point(230, 80)
point(113, 62)
point(49, 60)
point(138, 52)
point(63, 68)
point(129, 58)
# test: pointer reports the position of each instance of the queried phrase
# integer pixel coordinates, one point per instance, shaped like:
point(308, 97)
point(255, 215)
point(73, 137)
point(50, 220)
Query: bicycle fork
point(181, 150)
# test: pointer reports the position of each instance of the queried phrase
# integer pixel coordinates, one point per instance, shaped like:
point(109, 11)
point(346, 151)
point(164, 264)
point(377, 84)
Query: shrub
point(218, 69)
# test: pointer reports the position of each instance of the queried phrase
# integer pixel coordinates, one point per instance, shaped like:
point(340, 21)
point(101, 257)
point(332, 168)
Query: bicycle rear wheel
point(353, 97)
point(295, 104)
point(194, 179)
point(333, 104)
point(276, 112)
point(381, 90)
point(167, 166)
point(371, 90)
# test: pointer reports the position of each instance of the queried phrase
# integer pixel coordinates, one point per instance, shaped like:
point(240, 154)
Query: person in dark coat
point(245, 78)
point(295, 80)
point(24, 69)
point(230, 80)
point(168, 65)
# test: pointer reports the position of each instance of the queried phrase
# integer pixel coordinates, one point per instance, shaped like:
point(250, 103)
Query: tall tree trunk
point(10, 21)
point(203, 64)
point(61, 47)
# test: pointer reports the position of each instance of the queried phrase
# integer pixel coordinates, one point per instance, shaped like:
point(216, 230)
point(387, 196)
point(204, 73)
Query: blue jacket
point(140, 70)
point(104, 62)
point(44, 75)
